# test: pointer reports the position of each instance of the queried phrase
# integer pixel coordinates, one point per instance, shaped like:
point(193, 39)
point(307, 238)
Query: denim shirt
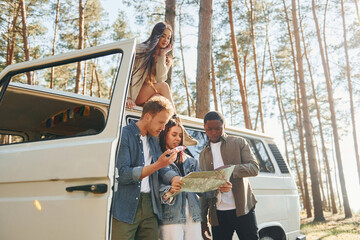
point(175, 212)
point(129, 164)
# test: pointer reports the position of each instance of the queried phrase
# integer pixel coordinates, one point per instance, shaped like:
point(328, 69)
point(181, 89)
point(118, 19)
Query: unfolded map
point(207, 180)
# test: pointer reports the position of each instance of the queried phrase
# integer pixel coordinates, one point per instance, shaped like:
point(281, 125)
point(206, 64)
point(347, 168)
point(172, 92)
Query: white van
point(58, 150)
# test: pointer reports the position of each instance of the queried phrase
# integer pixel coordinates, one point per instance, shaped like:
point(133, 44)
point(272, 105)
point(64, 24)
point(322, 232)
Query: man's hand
point(205, 231)
point(176, 184)
point(225, 187)
point(165, 161)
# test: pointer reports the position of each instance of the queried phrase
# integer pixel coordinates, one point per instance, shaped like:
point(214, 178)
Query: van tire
point(272, 233)
point(266, 238)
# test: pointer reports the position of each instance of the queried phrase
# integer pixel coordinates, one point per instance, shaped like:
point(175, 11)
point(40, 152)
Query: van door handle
point(94, 188)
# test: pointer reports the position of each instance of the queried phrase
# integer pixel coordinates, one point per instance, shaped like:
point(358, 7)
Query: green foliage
point(147, 12)
point(120, 29)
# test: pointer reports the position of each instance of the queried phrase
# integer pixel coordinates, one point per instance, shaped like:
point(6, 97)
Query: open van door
point(58, 149)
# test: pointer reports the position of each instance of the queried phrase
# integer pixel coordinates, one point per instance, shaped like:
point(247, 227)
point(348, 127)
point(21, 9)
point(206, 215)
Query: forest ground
point(335, 227)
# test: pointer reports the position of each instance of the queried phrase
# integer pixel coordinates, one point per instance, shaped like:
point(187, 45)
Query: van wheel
point(266, 238)
point(272, 233)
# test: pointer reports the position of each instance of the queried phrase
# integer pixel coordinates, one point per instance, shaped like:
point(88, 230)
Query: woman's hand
point(164, 51)
point(130, 103)
point(176, 185)
point(225, 187)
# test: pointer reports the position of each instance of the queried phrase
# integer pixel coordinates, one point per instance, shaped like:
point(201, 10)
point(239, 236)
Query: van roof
point(104, 103)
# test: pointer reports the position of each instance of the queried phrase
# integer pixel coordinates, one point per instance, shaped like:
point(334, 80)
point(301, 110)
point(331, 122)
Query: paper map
point(207, 180)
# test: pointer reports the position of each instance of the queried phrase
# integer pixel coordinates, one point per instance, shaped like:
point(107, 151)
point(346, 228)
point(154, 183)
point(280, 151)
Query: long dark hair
point(146, 50)
point(163, 134)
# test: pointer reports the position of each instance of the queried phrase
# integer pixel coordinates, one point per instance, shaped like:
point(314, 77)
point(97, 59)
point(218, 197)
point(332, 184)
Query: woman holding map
point(181, 213)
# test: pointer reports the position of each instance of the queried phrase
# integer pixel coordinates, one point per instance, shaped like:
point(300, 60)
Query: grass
point(335, 227)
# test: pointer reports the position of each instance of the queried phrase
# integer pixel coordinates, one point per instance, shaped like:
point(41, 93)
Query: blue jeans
point(245, 226)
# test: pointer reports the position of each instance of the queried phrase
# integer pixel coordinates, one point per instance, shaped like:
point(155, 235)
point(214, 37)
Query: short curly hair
point(214, 115)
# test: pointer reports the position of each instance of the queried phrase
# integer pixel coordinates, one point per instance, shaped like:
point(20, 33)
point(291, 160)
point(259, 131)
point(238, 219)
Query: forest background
point(285, 68)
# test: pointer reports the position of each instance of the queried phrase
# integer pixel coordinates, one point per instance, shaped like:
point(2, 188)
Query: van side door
point(58, 152)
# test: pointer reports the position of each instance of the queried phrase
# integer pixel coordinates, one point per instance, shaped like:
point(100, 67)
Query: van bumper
point(301, 237)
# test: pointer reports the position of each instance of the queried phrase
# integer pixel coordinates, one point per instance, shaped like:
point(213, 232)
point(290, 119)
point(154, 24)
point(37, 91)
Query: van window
point(261, 155)
point(279, 159)
point(257, 147)
point(202, 139)
point(50, 108)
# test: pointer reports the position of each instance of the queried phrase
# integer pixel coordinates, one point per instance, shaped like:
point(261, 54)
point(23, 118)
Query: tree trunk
point(262, 70)
point(318, 212)
point(203, 58)
point(357, 10)
point(220, 96)
point(84, 84)
point(231, 103)
point(80, 45)
point(91, 88)
point(25, 38)
point(333, 202)
point(11, 40)
point(279, 104)
point(291, 138)
point(183, 63)
point(303, 195)
point(318, 115)
point(33, 75)
point(325, 44)
point(54, 40)
point(324, 201)
point(252, 33)
point(333, 119)
point(245, 89)
point(170, 18)
point(336, 174)
point(302, 149)
point(329, 207)
point(295, 158)
point(306, 199)
point(238, 71)
point(84, 78)
point(98, 83)
point(348, 75)
point(213, 82)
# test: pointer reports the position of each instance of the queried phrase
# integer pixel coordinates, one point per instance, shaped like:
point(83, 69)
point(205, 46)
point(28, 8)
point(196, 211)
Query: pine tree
point(203, 62)
point(318, 212)
point(333, 117)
